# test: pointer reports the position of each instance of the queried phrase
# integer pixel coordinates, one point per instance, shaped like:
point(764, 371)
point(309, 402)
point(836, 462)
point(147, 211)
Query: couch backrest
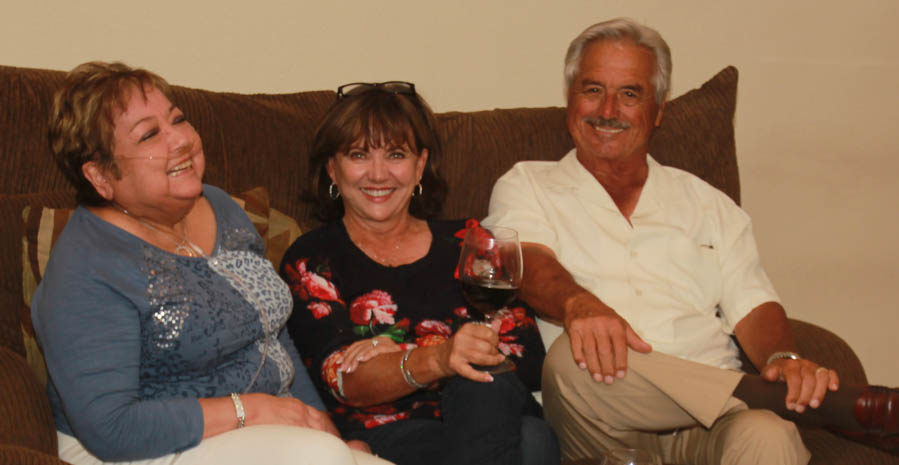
point(263, 140)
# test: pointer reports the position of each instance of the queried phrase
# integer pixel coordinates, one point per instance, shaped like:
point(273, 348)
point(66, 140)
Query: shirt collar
point(570, 174)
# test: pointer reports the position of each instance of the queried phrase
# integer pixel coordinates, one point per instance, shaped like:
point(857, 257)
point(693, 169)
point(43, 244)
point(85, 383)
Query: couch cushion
point(697, 133)
point(43, 226)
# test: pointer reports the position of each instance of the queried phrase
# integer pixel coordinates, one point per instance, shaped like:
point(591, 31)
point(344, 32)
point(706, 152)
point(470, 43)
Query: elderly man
point(650, 270)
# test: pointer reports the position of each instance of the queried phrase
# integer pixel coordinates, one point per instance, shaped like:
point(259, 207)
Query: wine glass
point(631, 457)
point(490, 271)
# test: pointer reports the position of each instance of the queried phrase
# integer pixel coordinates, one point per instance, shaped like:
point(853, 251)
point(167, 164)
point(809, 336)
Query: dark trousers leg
point(407, 442)
point(482, 423)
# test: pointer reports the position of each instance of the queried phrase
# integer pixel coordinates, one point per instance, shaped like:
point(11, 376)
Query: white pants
point(264, 444)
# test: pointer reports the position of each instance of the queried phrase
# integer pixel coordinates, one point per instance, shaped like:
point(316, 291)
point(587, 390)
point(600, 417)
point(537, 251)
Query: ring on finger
point(374, 342)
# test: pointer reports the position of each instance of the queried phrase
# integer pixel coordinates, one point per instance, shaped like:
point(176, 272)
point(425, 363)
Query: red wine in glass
point(490, 271)
point(486, 296)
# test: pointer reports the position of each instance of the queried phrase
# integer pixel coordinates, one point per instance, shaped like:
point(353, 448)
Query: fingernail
point(489, 378)
point(609, 380)
point(791, 406)
point(620, 374)
point(582, 365)
point(800, 408)
point(597, 377)
point(814, 403)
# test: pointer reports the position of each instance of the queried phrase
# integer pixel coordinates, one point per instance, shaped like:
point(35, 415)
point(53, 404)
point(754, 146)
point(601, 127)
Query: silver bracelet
point(407, 375)
point(238, 406)
point(780, 355)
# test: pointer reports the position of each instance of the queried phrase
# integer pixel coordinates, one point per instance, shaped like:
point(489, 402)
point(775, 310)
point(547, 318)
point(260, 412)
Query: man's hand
point(807, 382)
point(600, 337)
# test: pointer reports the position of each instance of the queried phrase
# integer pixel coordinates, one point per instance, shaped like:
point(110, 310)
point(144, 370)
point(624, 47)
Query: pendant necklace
point(183, 245)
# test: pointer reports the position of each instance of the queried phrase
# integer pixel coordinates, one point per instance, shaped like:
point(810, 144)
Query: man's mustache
point(606, 123)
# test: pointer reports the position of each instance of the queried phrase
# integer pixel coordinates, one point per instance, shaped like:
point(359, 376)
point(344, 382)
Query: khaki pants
point(265, 444)
point(682, 410)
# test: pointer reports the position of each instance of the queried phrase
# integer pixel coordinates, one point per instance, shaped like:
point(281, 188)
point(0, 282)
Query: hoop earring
point(418, 190)
point(333, 191)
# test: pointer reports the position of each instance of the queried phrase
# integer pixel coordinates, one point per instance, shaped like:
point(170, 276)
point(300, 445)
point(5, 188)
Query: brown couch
point(262, 140)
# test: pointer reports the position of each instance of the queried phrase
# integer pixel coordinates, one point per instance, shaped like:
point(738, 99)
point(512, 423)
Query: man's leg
point(660, 394)
point(740, 436)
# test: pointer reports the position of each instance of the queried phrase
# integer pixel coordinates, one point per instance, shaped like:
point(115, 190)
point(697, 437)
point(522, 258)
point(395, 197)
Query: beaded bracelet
point(407, 375)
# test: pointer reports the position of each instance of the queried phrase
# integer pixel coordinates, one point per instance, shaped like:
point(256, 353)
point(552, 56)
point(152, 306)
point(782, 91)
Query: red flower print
point(511, 349)
point(461, 312)
point(521, 318)
point(470, 223)
point(403, 324)
point(379, 420)
point(307, 284)
point(329, 370)
point(376, 305)
point(507, 321)
point(430, 340)
point(319, 309)
point(425, 327)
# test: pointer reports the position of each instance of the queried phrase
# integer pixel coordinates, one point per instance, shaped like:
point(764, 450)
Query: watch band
point(783, 354)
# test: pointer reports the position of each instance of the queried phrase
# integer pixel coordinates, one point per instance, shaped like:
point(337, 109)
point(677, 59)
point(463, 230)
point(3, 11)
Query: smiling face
point(159, 156)
point(376, 182)
point(611, 103)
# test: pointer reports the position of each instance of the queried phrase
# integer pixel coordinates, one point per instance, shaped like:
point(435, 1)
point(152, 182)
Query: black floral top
point(340, 296)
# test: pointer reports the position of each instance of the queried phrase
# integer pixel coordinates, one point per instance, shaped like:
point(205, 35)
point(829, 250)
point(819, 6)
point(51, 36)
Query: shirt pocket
point(695, 272)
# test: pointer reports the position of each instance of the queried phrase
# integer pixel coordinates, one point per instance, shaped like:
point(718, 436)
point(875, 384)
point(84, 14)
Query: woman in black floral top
point(379, 317)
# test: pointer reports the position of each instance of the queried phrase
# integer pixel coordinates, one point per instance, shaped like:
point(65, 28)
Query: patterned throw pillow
point(43, 226)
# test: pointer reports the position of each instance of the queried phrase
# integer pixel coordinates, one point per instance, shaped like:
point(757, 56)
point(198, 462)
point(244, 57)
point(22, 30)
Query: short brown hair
point(81, 121)
point(375, 116)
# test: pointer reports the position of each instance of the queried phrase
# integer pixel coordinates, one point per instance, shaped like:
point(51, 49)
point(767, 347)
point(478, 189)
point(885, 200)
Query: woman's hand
point(358, 445)
point(473, 344)
point(365, 350)
point(264, 409)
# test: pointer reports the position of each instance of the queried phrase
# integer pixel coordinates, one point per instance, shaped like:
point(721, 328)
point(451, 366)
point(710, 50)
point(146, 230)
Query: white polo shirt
point(682, 273)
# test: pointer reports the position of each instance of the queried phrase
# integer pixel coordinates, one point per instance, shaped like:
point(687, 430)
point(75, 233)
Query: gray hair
point(623, 29)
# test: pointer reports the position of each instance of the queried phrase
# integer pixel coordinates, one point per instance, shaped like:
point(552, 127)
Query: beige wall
point(818, 100)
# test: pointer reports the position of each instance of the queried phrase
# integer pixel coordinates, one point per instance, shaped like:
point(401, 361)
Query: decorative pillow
point(43, 226)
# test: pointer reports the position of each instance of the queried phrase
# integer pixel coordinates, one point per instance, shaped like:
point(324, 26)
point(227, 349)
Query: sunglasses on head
point(393, 87)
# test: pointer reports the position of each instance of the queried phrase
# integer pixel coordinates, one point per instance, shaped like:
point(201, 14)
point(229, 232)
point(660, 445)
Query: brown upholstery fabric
point(23, 456)
point(25, 418)
point(697, 133)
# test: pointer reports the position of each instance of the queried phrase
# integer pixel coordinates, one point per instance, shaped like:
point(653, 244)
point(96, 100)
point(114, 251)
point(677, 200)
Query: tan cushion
point(43, 226)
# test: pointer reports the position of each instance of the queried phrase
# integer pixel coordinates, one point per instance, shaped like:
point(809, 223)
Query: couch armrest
point(828, 349)
point(17, 455)
point(25, 418)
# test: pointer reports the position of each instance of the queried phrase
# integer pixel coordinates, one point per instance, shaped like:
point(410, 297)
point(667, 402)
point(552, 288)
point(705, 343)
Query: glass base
point(504, 367)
